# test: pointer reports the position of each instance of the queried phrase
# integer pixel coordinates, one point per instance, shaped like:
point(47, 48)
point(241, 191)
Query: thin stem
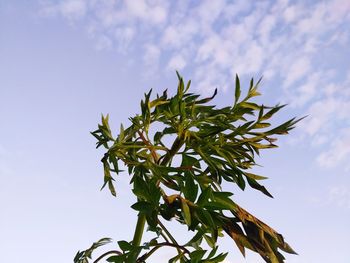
point(164, 244)
point(165, 237)
point(106, 254)
point(167, 232)
point(169, 235)
point(151, 147)
point(167, 157)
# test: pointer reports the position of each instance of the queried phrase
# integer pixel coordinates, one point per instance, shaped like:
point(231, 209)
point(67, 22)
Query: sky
point(64, 63)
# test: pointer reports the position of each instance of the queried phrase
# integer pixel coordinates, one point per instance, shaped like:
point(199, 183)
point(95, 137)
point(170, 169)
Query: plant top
point(211, 146)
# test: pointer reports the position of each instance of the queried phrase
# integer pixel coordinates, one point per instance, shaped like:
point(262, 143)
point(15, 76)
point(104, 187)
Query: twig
point(157, 246)
point(108, 253)
point(150, 146)
point(167, 232)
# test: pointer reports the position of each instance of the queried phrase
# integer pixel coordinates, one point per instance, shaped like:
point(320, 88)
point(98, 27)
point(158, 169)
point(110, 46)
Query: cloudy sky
point(64, 62)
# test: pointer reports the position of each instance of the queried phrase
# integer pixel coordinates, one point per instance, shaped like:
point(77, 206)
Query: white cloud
point(124, 37)
point(178, 35)
point(103, 43)
point(70, 9)
point(328, 122)
point(292, 13)
point(208, 48)
point(314, 21)
point(326, 113)
point(319, 139)
point(251, 61)
point(307, 90)
point(208, 12)
point(151, 58)
point(73, 8)
point(291, 42)
point(335, 196)
point(298, 69)
point(267, 24)
point(143, 10)
point(339, 196)
point(177, 62)
point(338, 152)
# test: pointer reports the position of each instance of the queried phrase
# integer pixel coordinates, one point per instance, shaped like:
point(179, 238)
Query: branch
point(167, 232)
point(150, 146)
point(108, 253)
point(156, 247)
point(174, 149)
point(164, 236)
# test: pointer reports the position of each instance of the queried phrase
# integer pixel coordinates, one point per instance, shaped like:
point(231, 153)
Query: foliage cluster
point(212, 146)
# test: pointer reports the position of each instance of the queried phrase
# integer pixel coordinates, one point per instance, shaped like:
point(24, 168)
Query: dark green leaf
point(124, 245)
point(204, 196)
point(143, 206)
point(191, 189)
point(197, 255)
point(254, 184)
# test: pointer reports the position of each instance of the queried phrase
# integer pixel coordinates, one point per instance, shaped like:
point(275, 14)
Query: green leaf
point(143, 206)
point(197, 255)
point(108, 179)
point(205, 217)
point(213, 252)
point(121, 134)
point(202, 101)
point(203, 199)
point(124, 245)
point(141, 189)
point(210, 241)
point(261, 125)
point(83, 256)
point(188, 161)
point(158, 102)
point(271, 112)
point(186, 212)
point(219, 258)
point(240, 181)
point(224, 201)
point(117, 259)
point(188, 86)
point(196, 240)
point(191, 189)
point(249, 105)
point(111, 188)
point(254, 184)
point(237, 90)
point(255, 176)
point(154, 192)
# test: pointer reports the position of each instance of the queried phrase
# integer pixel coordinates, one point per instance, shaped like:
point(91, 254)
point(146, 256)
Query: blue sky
point(63, 63)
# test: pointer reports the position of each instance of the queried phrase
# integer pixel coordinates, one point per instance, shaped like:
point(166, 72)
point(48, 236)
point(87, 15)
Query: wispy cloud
point(329, 123)
point(291, 43)
point(71, 10)
point(334, 196)
point(338, 152)
point(339, 196)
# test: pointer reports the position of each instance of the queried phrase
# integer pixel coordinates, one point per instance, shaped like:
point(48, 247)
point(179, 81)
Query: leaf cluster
point(212, 146)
